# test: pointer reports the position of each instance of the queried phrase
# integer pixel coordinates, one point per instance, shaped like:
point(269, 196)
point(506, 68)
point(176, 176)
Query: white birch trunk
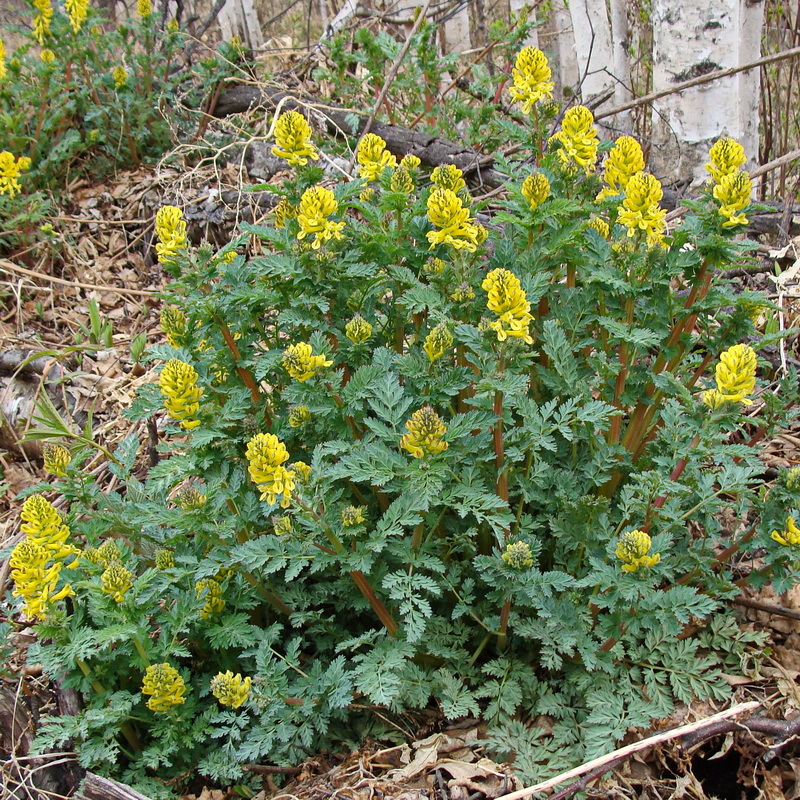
point(621, 65)
point(558, 43)
point(691, 38)
point(592, 33)
point(239, 18)
point(524, 7)
point(456, 31)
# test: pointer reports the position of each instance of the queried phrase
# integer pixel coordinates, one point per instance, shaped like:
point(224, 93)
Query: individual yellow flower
point(733, 193)
point(76, 12)
point(299, 362)
point(231, 690)
point(410, 162)
point(601, 226)
point(438, 342)
point(144, 8)
point(10, 169)
point(373, 157)
point(120, 76)
point(164, 685)
point(210, 592)
point(56, 459)
point(298, 416)
point(47, 56)
point(284, 211)
point(518, 555)
point(401, 181)
point(536, 189)
point(282, 526)
point(116, 580)
point(178, 384)
point(633, 550)
point(41, 22)
point(425, 431)
point(790, 537)
point(507, 299)
point(352, 516)
point(358, 330)
point(171, 233)
point(727, 156)
point(625, 160)
point(532, 78)
point(165, 559)
point(293, 139)
point(266, 455)
point(173, 323)
point(447, 212)
point(301, 470)
point(735, 375)
point(578, 138)
point(449, 176)
point(2, 60)
point(316, 205)
point(640, 210)
point(190, 498)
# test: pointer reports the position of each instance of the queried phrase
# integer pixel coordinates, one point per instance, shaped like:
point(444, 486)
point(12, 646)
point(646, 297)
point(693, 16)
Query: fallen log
point(96, 787)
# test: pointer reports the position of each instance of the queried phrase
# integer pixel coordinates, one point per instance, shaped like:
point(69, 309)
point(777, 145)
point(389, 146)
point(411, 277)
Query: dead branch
point(97, 788)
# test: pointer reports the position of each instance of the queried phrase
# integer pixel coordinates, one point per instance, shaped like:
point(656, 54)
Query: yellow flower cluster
point(266, 455)
point(164, 685)
point(352, 516)
point(120, 76)
point(10, 169)
point(171, 233)
point(165, 559)
point(302, 471)
point(293, 139)
point(56, 459)
point(578, 138)
point(47, 56)
point(298, 360)
point(536, 189)
point(425, 431)
point(298, 416)
point(727, 157)
point(633, 550)
point(173, 323)
point(2, 60)
point(210, 592)
point(447, 212)
point(790, 537)
point(532, 78)
point(358, 330)
point(733, 193)
point(518, 555)
point(735, 376)
point(191, 499)
point(507, 299)
point(282, 526)
point(106, 554)
point(449, 176)
point(144, 8)
point(284, 211)
point(116, 580)
point(76, 12)
point(373, 157)
point(316, 205)
point(438, 342)
point(625, 160)
point(402, 181)
point(37, 560)
point(41, 22)
point(640, 210)
point(178, 384)
point(231, 690)
point(600, 225)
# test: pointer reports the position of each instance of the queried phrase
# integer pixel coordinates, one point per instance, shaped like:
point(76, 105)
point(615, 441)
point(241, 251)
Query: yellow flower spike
point(358, 330)
point(438, 342)
point(532, 78)
point(735, 375)
point(191, 498)
point(640, 210)
point(108, 553)
point(56, 459)
point(298, 416)
point(727, 156)
point(284, 211)
point(173, 25)
point(210, 592)
point(373, 157)
point(625, 160)
point(77, 11)
point(425, 431)
point(578, 139)
point(144, 8)
point(601, 226)
point(316, 205)
point(120, 76)
point(435, 266)
point(352, 516)
point(633, 550)
point(10, 169)
point(45, 526)
point(402, 181)
point(733, 193)
point(410, 162)
point(518, 555)
point(301, 471)
point(173, 323)
point(535, 189)
point(165, 559)
point(446, 211)
point(299, 362)
point(790, 537)
point(293, 139)
point(171, 233)
point(2, 60)
point(231, 690)
point(165, 686)
point(41, 22)
point(282, 526)
point(182, 396)
point(266, 455)
point(116, 580)
point(47, 56)
point(508, 300)
point(449, 176)
point(462, 292)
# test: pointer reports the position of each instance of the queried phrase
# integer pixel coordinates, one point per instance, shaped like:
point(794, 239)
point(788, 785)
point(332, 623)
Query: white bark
point(239, 18)
point(524, 7)
point(559, 44)
point(456, 31)
point(691, 38)
point(621, 64)
point(591, 30)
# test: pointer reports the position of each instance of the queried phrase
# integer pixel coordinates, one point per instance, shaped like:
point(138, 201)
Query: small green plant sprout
point(99, 331)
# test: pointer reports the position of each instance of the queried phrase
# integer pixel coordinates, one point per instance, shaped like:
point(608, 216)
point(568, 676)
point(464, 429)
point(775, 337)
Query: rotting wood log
point(96, 787)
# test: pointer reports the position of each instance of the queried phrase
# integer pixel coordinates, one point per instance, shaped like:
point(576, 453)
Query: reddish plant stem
point(245, 374)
